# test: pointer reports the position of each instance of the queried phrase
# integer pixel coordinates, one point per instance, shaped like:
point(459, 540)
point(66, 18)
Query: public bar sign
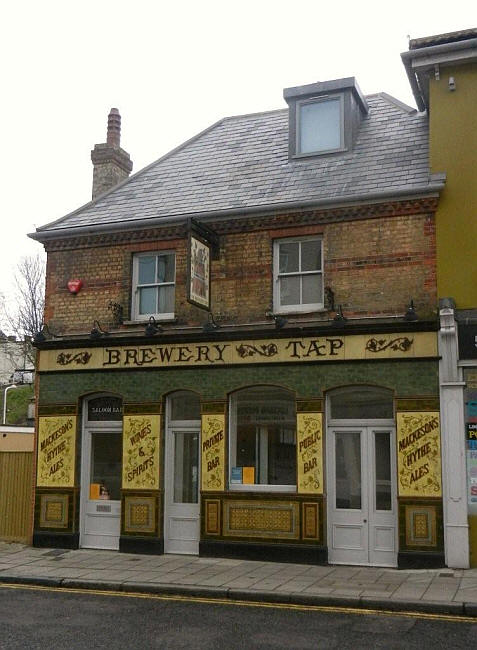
point(213, 452)
point(309, 448)
point(297, 350)
point(56, 451)
point(419, 454)
point(141, 438)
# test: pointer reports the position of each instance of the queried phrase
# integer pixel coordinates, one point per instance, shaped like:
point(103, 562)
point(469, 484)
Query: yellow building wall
point(453, 149)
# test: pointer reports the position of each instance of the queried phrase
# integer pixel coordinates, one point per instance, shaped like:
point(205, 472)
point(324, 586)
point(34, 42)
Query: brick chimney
point(111, 164)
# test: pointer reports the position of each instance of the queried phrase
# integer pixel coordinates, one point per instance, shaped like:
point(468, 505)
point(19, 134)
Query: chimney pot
point(114, 128)
point(111, 164)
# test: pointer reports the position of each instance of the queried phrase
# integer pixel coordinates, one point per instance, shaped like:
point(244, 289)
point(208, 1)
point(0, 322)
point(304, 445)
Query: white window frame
point(319, 100)
point(301, 307)
point(241, 487)
point(135, 288)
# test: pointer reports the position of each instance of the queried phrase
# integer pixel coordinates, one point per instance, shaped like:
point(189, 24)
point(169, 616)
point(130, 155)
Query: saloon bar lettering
point(305, 349)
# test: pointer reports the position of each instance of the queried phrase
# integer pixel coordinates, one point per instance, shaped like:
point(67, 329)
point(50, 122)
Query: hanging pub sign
point(198, 276)
point(203, 247)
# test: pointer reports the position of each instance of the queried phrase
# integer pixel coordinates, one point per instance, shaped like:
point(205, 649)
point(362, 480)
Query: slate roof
point(441, 39)
point(242, 162)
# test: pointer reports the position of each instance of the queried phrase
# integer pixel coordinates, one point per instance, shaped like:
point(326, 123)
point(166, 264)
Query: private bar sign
point(324, 348)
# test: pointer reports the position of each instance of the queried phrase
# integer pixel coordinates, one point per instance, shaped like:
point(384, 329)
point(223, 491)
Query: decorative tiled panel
point(212, 517)
point(54, 511)
point(309, 449)
point(310, 521)
point(139, 514)
point(213, 452)
point(421, 526)
point(141, 443)
point(56, 451)
point(272, 519)
point(419, 454)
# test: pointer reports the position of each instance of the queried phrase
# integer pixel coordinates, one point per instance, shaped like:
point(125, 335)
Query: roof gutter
point(439, 52)
point(433, 189)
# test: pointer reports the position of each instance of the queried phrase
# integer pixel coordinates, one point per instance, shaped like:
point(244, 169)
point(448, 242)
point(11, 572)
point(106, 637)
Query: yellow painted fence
point(16, 495)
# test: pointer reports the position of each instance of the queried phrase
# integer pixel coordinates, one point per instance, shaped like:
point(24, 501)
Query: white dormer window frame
point(158, 289)
point(338, 99)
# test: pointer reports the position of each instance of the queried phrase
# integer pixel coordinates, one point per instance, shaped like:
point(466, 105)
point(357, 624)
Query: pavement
point(439, 591)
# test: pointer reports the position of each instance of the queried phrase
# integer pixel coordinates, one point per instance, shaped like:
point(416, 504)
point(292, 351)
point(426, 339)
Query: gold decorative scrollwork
point(401, 344)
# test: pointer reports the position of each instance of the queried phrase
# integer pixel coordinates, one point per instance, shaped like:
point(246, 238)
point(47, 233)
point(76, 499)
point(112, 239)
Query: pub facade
point(247, 365)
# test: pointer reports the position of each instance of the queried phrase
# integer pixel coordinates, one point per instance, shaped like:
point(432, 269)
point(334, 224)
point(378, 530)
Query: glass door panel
point(186, 467)
point(348, 470)
point(106, 449)
point(382, 447)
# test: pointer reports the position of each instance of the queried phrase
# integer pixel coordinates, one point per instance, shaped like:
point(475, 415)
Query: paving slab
point(439, 591)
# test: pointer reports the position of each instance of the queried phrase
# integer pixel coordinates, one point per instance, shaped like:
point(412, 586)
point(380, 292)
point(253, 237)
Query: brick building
point(240, 355)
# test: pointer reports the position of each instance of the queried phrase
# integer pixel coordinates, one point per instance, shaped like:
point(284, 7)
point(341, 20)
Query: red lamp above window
point(74, 286)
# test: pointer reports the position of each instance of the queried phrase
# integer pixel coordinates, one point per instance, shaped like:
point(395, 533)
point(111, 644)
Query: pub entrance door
point(182, 474)
point(101, 462)
point(362, 504)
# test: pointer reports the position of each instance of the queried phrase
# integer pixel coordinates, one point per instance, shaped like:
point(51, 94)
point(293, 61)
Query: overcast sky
point(172, 69)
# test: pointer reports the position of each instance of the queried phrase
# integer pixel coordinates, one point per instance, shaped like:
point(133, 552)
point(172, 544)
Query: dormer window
point(324, 117)
point(320, 125)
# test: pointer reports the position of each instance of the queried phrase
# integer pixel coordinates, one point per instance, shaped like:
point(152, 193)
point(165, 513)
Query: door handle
point(365, 521)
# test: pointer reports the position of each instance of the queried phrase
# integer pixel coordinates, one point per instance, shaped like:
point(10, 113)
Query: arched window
point(361, 403)
point(262, 438)
point(184, 405)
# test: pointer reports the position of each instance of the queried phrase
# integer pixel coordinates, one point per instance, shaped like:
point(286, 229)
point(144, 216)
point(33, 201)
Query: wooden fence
point(15, 492)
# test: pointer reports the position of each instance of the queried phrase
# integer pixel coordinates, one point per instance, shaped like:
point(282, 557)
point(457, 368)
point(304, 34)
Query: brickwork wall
point(406, 378)
point(374, 266)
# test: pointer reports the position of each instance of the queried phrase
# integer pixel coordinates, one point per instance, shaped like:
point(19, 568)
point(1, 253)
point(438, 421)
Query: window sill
point(314, 154)
point(296, 311)
point(255, 487)
point(172, 320)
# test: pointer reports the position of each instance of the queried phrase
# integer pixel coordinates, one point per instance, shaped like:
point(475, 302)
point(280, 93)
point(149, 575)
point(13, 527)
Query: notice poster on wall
point(141, 434)
point(213, 452)
point(56, 451)
point(309, 449)
point(419, 454)
point(472, 477)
